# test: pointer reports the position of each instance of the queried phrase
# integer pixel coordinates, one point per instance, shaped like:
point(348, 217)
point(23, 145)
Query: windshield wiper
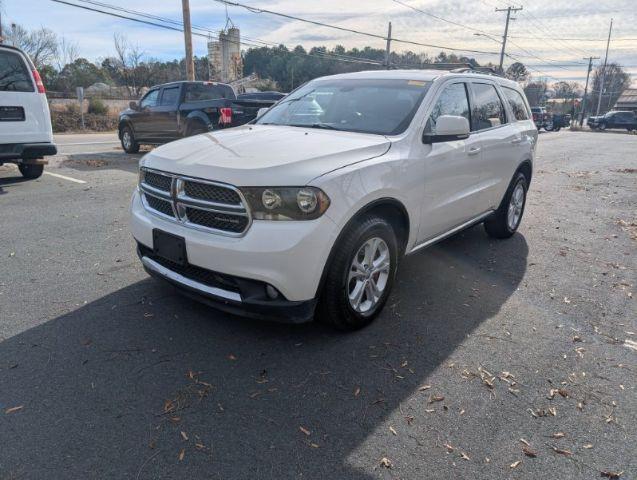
point(323, 126)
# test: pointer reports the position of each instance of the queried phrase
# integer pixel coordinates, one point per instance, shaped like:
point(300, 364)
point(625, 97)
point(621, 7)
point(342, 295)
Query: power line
point(350, 30)
point(336, 57)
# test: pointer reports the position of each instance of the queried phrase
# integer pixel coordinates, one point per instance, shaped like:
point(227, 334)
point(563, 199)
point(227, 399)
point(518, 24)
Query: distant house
point(627, 100)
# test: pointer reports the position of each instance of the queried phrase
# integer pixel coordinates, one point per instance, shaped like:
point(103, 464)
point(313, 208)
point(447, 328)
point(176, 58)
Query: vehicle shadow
point(107, 390)
point(6, 181)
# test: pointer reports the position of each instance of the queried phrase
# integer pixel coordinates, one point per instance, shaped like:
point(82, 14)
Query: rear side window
point(198, 92)
point(517, 103)
point(452, 101)
point(170, 96)
point(488, 111)
point(14, 75)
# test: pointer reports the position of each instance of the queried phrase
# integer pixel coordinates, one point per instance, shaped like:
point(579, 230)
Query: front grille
point(211, 193)
point(217, 221)
point(205, 205)
point(158, 181)
point(162, 206)
point(192, 272)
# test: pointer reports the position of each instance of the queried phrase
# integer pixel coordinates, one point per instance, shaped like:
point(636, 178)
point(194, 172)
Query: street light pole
point(190, 64)
point(506, 30)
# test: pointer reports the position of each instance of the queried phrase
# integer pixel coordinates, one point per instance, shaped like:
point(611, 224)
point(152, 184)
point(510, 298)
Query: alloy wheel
point(516, 205)
point(368, 275)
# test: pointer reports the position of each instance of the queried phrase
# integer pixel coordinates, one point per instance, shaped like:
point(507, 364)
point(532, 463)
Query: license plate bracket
point(170, 247)
point(11, 114)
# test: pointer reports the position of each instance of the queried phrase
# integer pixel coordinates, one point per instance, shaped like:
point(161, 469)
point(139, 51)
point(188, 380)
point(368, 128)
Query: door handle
point(516, 140)
point(474, 150)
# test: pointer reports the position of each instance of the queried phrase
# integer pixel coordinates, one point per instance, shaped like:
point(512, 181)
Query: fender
point(124, 120)
point(194, 116)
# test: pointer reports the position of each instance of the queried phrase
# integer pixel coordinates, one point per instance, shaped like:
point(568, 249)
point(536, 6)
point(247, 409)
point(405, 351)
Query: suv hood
point(262, 155)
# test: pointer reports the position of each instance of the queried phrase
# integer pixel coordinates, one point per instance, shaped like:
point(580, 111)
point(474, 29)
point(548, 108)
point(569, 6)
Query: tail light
point(225, 115)
point(38, 81)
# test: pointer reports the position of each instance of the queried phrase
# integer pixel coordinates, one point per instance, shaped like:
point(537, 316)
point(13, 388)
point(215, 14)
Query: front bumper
point(26, 152)
point(290, 256)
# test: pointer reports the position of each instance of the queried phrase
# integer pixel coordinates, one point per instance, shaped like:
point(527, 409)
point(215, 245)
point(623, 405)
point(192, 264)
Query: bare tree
point(41, 45)
point(67, 52)
point(134, 71)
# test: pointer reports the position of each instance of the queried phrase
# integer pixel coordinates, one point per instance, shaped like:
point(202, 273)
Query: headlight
point(286, 203)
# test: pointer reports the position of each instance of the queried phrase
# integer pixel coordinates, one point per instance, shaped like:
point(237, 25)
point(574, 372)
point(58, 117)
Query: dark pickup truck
point(616, 119)
point(181, 109)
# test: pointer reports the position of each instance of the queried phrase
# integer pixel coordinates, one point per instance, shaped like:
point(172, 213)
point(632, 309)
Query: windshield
point(383, 107)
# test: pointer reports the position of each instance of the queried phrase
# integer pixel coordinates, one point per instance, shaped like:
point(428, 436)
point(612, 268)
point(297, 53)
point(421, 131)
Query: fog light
point(272, 292)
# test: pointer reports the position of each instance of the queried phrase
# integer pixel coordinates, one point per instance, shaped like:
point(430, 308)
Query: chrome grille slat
point(200, 204)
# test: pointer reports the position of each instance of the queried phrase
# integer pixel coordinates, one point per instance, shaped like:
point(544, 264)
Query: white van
point(25, 122)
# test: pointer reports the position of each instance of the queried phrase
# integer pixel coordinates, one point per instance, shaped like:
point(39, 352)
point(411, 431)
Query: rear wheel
point(30, 171)
point(602, 126)
point(506, 219)
point(196, 128)
point(129, 144)
point(360, 275)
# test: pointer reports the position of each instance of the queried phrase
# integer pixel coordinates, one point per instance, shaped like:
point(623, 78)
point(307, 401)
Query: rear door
point(500, 140)
point(24, 113)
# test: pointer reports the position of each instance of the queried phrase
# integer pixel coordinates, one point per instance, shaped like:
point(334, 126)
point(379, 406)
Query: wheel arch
point(196, 116)
point(392, 209)
point(124, 122)
point(526, 168)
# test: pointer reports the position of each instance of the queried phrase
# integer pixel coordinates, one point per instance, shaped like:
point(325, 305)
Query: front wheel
point(506, 219)
point(30, 171)
point(602, 126)
point(361, 275)
point(129, 144)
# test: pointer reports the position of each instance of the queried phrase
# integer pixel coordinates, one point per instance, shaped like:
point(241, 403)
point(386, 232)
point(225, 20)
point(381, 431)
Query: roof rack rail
point(463, 68)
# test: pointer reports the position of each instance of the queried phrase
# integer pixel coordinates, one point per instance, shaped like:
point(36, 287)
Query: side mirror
point(261, 111)
point(133, 105)
point(448, 129)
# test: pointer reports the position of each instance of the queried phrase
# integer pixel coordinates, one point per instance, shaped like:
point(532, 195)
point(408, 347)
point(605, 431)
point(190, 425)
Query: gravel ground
point(493, 359)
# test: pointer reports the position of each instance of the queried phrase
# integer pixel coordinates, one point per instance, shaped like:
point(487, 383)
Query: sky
point(551, 37)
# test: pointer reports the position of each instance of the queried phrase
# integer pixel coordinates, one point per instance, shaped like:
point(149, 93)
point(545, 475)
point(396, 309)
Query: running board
point(451, 232)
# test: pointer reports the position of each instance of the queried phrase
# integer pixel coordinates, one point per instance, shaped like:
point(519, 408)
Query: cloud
point(532, 33)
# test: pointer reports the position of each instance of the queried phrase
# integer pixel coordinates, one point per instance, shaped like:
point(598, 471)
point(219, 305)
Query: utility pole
point(588, 74)
point(190, 64)
point(506, 30)
point(601, 87)
point(388, 48)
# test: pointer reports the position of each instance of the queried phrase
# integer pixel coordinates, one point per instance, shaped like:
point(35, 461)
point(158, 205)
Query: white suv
point(313, 205)
point(25, 122)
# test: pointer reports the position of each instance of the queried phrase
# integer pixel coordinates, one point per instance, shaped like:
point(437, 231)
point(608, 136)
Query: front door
point(451, 193)
point(143, 120)
point(166, 115)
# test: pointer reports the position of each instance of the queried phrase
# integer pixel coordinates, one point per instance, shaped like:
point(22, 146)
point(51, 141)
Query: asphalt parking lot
point(493, 359)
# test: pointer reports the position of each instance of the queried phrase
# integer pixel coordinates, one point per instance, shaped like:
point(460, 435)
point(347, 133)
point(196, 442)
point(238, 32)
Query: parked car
point(181, 109)
point(614, 119)
point(313, 206)
point(543, 119)
point(25, 122)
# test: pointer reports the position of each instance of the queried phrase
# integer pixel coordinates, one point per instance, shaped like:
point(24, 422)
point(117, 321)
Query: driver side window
point(150, 100)
point(452, 101)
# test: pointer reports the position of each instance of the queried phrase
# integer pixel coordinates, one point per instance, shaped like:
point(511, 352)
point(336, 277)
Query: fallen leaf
point(528, 452)
point(231, 357)
point(559, 435)
point(14, 409)
point(182, 454)
point(448, 447)
point(436, 398)
point(357, 391)
point(424, 387)
point(515, 464)
point(561, 451)
point(314, 445)
point(385, 462)
point(464, 456)
point(587, 446)
point(305, 431)
point(525, 442)
point(609, 474)
point(200, 446)
point(393, 430)
point(184, 435)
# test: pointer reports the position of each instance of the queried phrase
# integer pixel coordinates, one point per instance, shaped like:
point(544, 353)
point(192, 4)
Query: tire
point(369, 234)
point(196, 128)
point(30, 171)
point(557, 129)
point(548, 127)
point(129, 144)
point(503, 223)
point(602, 127)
